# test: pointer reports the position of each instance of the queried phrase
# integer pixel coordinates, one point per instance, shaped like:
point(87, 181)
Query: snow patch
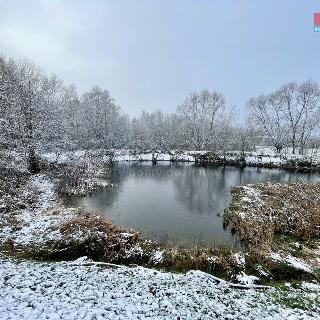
point(246, 279)
point(292, 261)
point(240, 259)
point(37, 290)
point(157, 257)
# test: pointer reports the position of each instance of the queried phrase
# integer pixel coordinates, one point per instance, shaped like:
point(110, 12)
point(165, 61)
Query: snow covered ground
point(128, 155)
point(34, 224)
point(78, 290)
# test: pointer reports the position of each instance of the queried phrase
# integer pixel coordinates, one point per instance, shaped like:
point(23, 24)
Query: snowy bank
point(261, 157)
point(281, 220)
point(44, 228)
point(30, 290)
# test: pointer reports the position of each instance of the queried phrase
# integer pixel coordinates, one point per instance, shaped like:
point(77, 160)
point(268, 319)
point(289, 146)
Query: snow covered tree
point(267, 116)
point(288, 116)
point(40, 113)
point(225, 132)
point(71, 117)
point(308, 97)
point(103, 119)
point(10, 131)
point(199, 113)
point(31, 98)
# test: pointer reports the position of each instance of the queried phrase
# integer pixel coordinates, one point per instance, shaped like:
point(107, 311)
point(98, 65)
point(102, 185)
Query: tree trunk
point(32, 160)
point(293, 143)
point(33, 163)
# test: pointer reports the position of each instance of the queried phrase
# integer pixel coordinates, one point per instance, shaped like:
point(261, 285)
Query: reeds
point(258, 212)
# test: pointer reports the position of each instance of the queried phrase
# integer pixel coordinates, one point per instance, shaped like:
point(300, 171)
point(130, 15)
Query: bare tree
point(198, 113)
point(103, 119)
point(10, 131)
point(225, 132)
point(266, 115)
point(308, 98)
point(31, 93)
point(288, 116)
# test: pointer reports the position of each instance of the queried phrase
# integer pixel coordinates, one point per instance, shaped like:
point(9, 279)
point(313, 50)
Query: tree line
point(39, 112)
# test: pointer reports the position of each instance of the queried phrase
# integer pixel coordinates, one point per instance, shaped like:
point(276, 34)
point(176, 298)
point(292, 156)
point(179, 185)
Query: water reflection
point(177, 202)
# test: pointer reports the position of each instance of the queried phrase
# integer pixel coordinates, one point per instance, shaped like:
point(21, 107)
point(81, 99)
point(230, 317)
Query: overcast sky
point(152, 54)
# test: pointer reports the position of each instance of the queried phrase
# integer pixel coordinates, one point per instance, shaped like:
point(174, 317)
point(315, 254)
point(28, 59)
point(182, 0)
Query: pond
point(181, 202)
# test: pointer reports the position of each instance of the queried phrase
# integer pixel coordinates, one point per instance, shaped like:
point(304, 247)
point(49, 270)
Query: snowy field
point(78, 290)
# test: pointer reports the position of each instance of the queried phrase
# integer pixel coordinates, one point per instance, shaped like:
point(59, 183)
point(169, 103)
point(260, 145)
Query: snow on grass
point(130, 155)
point(13, 160)
point(309, 286)
point(64, 157)
point(291, 209)
point(80, 172)
point(30, 290)
point(31, 224)
point(270, 217)
point(263, 156)
point(240, 259)
point(157, 257)
point(246, 279)
point(292, 261)
point(45, 189)
point(45, 229)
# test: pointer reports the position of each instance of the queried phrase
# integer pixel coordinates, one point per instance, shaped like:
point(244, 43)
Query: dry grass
point(259, 212)
point(94, 236)
point(13, 196)
point(243, 159)
point(80, 176)
point(219, 260)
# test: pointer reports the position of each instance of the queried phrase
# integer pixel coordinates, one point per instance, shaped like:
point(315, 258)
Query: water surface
point(179, 202)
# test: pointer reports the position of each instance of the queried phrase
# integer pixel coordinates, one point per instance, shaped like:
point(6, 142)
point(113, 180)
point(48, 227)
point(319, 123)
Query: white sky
point(152, 54)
